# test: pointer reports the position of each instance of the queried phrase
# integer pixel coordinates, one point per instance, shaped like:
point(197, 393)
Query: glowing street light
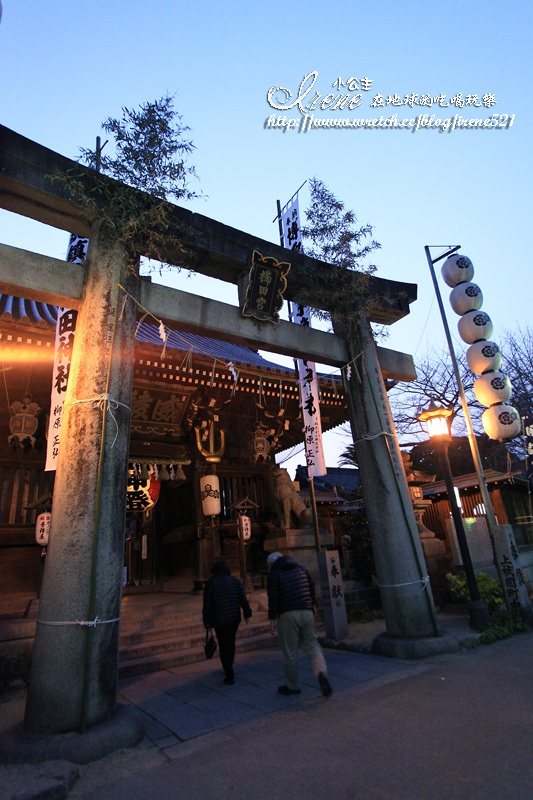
point(438, 428)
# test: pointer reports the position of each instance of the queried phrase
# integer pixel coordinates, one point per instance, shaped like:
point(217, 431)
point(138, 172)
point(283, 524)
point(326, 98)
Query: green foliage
point(332, 236)
point(490, 590)
point(150, 151)
point(150, 155)
point(348, 457)
point(364, 613)
point(356, 527)
point(493, 454)
point(504, 624)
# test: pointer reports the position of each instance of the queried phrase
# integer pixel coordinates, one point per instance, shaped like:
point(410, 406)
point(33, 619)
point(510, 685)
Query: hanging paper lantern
point(42, 528)
point(483, 356)
point(245, 527)
point(154, 488)
point(466, 297)
point(501, 422)
point(210, 495)
point(142, 492)
point(493, 387)
point(475, 325)
point(457, 269)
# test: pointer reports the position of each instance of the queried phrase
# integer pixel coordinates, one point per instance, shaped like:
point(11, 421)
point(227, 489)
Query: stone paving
point(183, 703)
point(184, 707)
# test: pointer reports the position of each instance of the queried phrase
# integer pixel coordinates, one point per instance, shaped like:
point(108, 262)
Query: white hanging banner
point(300, 315)
point(65, 328)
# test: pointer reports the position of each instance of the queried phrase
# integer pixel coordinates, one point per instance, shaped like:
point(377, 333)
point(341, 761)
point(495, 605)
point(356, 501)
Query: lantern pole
point(491, 521)
point(439, 432)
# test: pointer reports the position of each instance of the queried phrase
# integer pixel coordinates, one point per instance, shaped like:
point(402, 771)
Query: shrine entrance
point(75, 665)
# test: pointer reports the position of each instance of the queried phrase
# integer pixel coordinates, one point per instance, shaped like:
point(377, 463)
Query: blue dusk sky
point(65, 67)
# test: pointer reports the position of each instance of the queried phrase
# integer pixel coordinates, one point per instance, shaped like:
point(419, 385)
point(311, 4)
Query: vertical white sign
point(65, 328)
point(300, 315)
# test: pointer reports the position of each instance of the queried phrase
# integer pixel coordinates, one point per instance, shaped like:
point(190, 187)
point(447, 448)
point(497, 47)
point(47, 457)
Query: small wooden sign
point(267, 283)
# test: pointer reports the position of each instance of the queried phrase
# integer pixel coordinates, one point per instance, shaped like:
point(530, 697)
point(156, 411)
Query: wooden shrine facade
point(181, 390)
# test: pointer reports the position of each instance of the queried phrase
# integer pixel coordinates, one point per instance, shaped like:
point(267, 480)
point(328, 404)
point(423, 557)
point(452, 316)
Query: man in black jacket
point(224, 596)
point(291, 601)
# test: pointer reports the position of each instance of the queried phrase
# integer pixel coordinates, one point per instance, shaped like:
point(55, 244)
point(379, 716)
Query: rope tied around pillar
point(424, 581)
point(376, 436)
point(84, 623)
point(104, 402)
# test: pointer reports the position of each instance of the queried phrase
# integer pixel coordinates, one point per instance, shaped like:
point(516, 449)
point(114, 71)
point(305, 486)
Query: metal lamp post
point(437, 421)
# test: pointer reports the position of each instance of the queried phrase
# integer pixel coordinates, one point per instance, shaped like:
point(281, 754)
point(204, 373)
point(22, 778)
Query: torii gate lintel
point(75, 669)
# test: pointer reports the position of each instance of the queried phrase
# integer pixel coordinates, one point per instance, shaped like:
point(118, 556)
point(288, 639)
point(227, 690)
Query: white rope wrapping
point(84, 623)
point(105, 403)
point(424, 581)
point(376, 436)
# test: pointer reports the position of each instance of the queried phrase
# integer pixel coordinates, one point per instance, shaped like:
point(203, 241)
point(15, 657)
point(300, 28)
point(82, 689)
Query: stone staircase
point(152, 639)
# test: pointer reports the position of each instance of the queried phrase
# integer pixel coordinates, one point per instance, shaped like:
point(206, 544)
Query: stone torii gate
point(75, 662)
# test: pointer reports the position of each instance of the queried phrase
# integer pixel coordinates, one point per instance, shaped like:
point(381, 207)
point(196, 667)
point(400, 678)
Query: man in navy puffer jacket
point(224, 596)
point(291, 600)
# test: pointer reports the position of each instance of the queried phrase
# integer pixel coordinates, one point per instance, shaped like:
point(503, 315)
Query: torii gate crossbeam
point(75, 666)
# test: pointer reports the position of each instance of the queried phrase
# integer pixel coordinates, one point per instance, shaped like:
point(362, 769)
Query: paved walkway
point(189, 710)
point(454, 726)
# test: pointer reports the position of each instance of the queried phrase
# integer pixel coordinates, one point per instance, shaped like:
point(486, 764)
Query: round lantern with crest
point(143, 487)
point(492, 388)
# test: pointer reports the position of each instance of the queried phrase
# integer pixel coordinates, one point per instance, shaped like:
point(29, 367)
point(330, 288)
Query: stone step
point(168, 660)
point(169, 627)
point(135, 647)
point(158, 617)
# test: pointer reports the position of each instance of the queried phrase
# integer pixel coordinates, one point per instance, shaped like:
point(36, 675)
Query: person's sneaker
point(229, 681)
point(286, 690)
point(325, 685)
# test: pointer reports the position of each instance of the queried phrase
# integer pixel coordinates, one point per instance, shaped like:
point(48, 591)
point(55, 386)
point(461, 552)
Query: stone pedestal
point(301, 545)
point(508, 562)
point(437, 561)
point(332, 590)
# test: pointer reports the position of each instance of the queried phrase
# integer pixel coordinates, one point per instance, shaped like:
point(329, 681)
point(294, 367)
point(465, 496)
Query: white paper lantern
point(210, 495)
point(493, 387)
point(466, 297)
point(483, 356)
point(457, 269)
point(42, 528)
point(475, 325)
point(501, 422)
point(245, 527)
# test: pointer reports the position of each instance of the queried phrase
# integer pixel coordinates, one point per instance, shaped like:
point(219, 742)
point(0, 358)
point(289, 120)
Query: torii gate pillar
point(74, 671)
point(412, 628)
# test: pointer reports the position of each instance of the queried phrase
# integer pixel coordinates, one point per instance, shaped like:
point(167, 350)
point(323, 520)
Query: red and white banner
point(65, 328)
point(300, 315)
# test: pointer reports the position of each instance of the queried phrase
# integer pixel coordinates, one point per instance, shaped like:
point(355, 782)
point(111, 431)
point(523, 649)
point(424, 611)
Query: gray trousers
point(296, 629)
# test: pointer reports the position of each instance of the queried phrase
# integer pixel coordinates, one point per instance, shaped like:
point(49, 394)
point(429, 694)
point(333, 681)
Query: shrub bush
point(490, 590)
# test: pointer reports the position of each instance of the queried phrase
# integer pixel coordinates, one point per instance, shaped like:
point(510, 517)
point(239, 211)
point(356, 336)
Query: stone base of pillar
point(390, 646)
point(123, 729)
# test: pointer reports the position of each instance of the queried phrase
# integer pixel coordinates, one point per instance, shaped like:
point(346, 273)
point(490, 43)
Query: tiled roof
point(344, 480)
point(215, 348)
point(29, 312)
